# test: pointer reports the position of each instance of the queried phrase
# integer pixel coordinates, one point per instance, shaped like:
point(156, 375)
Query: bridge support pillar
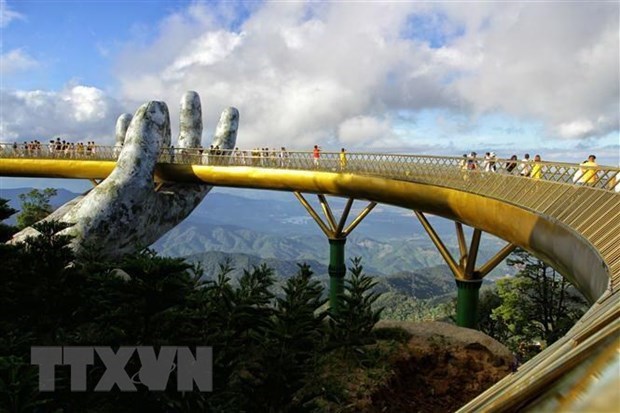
point(337, 235)
point(337, 271)
point(468, 277)
point(467, 302)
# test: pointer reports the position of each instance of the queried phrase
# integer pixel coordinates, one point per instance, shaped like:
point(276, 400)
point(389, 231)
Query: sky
point(442, 78)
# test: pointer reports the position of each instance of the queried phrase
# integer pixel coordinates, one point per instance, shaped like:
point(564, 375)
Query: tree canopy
point(35, 205)
point(531, 310)
point(270, 347)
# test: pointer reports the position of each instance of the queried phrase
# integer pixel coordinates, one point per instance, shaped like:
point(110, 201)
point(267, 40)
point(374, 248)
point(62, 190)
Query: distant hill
point(211, 261)
point(435, 283)
point(423, 284)
point(273, 225)
point(381, 257)
point(274, 229)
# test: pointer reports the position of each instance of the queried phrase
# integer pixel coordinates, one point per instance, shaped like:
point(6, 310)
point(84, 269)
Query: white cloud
point(7, 15)
point(341, 73)
point(556, 62)
point(295, 71)
point(88, 103)
point(302, 73)
point(363, 130)
point(207, 50)
point(15, 61)
point(575, 128)
point(77, 112)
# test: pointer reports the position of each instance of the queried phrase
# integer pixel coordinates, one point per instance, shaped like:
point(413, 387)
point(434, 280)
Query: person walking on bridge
point(588, 171)
point(536, 171)
point(316, 154)
point(525, 166)
point(472, 162)
point(283, 158)
point(343, 159)
point(510, 166)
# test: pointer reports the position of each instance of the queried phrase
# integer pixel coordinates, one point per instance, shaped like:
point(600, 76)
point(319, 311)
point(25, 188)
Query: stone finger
point(226, 132)
point(190, 124)
point(122, 124)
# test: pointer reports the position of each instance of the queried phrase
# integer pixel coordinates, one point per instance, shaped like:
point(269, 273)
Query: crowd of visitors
point(588, 172)
point(55, 148)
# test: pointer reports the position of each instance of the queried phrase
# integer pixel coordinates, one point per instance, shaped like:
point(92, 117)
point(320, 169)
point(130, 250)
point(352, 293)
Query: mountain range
point(249, 227)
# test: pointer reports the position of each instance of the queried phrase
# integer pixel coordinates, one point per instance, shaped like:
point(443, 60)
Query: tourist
point(525, 167)
point(316, 154)
point(486, 163)
point(536, 171)
point(588, 171)
point(510, 166)
point(343, 159)
point(238, 157)
point(472, 163)
point(463, 163)
point(493, 162)
point(283, 157)
point(489, 162)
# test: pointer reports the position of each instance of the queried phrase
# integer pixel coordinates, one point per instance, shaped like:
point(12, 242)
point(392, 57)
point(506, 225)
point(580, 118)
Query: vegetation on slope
point(269, 351)
point(275, 346)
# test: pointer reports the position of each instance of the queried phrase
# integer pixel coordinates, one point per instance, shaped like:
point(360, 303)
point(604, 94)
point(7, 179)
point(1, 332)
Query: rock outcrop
point(441, 368)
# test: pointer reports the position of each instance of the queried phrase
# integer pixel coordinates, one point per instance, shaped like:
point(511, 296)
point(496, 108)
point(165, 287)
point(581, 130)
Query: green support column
point(337, 270)
point(467, 302)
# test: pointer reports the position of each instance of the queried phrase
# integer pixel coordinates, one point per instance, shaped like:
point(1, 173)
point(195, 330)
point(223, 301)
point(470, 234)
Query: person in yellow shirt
point(589, 171)
point(343, 159)
point(536, 172)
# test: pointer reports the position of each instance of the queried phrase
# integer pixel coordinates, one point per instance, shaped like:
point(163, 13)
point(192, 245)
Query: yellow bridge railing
point(437, 169)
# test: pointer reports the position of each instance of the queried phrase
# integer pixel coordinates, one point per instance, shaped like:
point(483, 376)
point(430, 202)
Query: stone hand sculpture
point(125, 212)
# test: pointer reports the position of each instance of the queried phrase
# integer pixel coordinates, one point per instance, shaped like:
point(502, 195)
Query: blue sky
point(436, 78)
point(74, 41)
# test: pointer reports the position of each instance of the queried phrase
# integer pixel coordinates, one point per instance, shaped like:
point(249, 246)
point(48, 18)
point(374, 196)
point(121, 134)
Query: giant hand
point(125, 212)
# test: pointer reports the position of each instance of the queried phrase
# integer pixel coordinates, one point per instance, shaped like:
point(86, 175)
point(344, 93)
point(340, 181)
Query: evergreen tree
point(532, 309)
point(353, 325)
point(290, 346)
point(268, 349)
point(35, 205)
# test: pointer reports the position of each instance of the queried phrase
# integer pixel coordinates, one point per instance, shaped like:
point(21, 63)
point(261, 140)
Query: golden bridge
point(568, 216)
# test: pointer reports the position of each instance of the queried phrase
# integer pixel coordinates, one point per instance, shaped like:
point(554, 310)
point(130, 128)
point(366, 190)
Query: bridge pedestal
point(467, 302)
point(337, 235)
point(337, 271)
point(468, 277)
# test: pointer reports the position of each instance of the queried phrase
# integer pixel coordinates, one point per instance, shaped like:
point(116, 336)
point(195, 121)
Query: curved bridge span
point(573, 226)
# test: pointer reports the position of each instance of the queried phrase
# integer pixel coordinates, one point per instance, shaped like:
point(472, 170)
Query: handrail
point(397, 166)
